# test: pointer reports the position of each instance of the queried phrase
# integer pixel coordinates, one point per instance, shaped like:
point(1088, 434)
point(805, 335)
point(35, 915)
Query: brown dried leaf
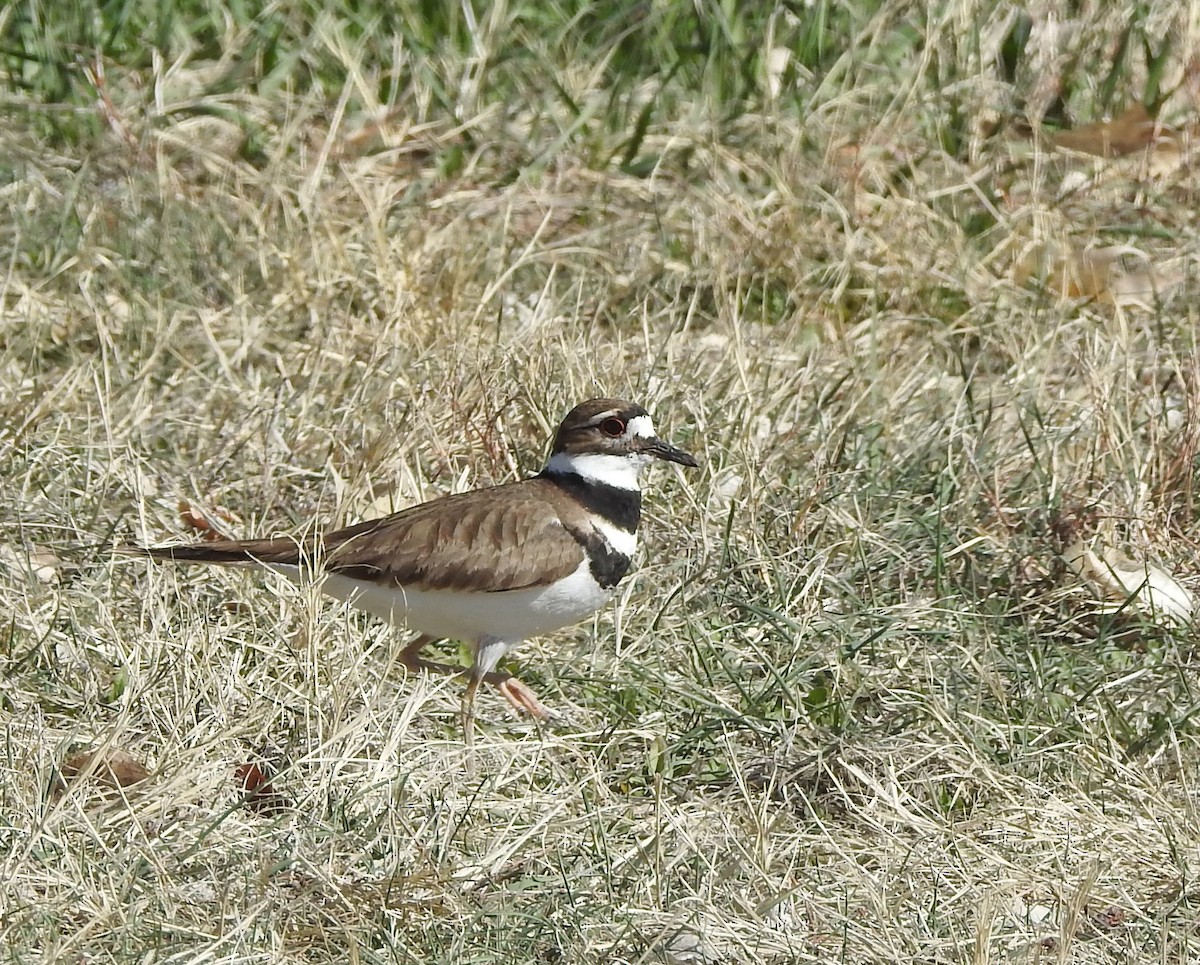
point(193, 518)
point(107, 768)
point(254, 779)
point(1127, 133)
point(1109, 918)
point(1069, 272)
point(1096, 273)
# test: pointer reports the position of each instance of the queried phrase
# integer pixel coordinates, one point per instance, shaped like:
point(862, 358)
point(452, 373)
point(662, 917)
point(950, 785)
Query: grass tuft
point(319, 263)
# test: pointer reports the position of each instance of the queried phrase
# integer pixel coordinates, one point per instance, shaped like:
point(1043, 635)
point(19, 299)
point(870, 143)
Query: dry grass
point(849, 708)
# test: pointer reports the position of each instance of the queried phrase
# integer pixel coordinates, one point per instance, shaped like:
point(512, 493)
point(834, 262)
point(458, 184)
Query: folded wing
point(498, 539)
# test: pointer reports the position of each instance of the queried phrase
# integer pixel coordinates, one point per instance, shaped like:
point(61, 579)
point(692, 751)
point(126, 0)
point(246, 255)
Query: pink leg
point(468, 713)
point(411, 657)
point(519, 696)
point(488, 652)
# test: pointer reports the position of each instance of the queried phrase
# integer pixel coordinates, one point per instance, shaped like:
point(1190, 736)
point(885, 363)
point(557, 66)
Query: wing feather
point(506, 541)
point(497, 539)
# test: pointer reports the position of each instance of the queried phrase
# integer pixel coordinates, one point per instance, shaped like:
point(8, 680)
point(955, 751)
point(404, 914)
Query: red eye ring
point(612, 427)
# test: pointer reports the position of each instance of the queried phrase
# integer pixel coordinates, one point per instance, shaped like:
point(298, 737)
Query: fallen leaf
point(194, 519)
point(1070, 272)
point(1097, 273)
point(36, 561)
point(1150, 588)
point(259, 794)
point(1110, 917)
point(1142, 287)
point(775, 67)
point(107, 768)
point(1127, 133)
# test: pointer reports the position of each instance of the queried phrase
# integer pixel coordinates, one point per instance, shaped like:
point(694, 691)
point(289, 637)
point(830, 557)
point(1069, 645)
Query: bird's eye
point(612, 427)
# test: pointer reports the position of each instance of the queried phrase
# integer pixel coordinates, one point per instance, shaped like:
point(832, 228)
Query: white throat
point(605, 468)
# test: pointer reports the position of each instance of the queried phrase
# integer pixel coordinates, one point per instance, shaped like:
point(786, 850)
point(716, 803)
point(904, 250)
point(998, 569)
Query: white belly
point(510, 615)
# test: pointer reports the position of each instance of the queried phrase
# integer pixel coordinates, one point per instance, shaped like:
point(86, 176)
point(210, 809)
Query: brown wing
point(492, 539)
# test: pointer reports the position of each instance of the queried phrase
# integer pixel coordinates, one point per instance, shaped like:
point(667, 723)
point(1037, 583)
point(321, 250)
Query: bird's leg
point(411, 657)
point(487, 654)
point(468, 708)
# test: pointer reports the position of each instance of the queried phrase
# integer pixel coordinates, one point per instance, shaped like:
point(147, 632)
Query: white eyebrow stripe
point(601, 416)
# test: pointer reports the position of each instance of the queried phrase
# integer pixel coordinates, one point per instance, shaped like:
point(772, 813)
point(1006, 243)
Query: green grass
point(851, 705)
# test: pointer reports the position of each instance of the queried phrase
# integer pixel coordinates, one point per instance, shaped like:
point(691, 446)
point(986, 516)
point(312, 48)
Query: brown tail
point(228, 552)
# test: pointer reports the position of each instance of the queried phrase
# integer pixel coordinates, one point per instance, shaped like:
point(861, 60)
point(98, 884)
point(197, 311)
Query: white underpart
point(506, 617)
point(622, 471)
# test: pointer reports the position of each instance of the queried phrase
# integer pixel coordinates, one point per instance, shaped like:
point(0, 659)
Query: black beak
point(668, 452)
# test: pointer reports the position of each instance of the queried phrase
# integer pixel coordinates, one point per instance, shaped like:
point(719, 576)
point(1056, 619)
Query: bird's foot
point(518, 694)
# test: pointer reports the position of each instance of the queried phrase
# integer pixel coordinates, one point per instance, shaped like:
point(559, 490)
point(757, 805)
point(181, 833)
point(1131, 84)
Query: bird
point(489, 567)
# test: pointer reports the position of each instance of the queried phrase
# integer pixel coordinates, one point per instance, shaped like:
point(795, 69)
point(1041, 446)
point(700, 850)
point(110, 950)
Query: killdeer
point(489, 567)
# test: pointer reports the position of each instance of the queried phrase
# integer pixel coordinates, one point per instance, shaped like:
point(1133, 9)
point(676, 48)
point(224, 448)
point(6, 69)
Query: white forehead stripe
point(641, 426)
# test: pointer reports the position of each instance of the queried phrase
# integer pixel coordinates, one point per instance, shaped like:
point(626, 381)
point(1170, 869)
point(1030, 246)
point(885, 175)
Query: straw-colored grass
point(851, 706)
